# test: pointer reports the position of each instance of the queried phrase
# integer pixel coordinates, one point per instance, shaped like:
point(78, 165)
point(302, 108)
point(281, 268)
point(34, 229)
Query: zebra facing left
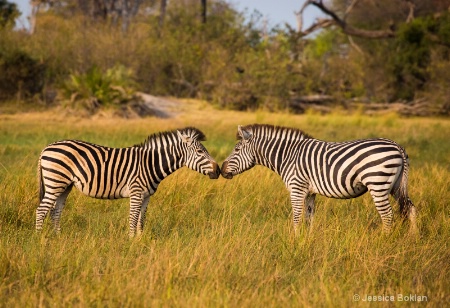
point(341, 170)
point(113, 173)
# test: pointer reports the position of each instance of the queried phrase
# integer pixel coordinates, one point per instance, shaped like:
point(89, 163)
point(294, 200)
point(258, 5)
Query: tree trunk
point(162, 13)
point(125, 16)
point(204, 11)
point(34, 10)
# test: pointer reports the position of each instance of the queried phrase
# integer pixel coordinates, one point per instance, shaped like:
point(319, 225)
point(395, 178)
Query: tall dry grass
point(221, 243)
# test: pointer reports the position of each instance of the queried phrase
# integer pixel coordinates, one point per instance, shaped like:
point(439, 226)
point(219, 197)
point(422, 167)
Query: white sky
point(275, 11)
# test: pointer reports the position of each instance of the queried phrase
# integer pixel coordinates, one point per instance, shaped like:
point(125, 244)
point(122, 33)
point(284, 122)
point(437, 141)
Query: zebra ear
point(185, 138)
point(244, 132)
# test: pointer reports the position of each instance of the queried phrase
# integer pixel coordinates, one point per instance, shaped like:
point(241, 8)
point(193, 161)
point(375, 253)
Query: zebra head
point(195, 154)
point(243, 156)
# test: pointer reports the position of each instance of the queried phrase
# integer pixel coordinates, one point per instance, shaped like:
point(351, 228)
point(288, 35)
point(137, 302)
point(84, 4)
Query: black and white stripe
point(334, 169)
point(112, 173)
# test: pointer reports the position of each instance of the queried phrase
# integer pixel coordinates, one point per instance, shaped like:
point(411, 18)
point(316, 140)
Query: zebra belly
point(354, 191)
point(112, 191)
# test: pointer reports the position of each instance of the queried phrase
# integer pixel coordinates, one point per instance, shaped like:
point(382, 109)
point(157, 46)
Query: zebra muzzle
point(226, 174)
point(215, 173)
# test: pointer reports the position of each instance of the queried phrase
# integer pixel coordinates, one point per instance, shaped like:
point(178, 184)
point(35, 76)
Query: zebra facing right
point(333, 169)
point(112, 173)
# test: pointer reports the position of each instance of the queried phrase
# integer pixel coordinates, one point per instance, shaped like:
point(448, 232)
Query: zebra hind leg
point(55, 212)
point(310, 209)
point(47, 204)
point(381, 199)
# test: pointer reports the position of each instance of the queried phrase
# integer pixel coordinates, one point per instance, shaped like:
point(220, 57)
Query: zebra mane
point(193, 132)
point(262, 129)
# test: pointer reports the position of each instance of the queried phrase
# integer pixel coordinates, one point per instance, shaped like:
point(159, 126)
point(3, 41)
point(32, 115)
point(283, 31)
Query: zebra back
point(105, 172)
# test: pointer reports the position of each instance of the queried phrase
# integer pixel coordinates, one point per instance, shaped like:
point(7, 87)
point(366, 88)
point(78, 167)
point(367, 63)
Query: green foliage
point(232, 62)
point(415, 44)
point(333, 67)
point(8, 14)
point(324, 44)
point(95, 89)
point(20, 74)
point(412, 59)
point(441, 27)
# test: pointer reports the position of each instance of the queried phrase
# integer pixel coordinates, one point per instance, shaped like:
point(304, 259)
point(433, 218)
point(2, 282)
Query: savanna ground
point(223, 242)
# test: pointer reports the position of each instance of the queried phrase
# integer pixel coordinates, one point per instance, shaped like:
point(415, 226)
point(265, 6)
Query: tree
point(162, 13)
point(395, 40)
point(361, 18)
point(8, 14)
point(203, 2)
point(113, 10)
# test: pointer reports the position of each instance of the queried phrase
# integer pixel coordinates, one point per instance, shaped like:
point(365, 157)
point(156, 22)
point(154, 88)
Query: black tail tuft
point(41, 183)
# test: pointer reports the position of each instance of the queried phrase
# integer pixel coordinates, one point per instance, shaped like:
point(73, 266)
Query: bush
point(20, 75)
point(231, 61)
point(94, 89)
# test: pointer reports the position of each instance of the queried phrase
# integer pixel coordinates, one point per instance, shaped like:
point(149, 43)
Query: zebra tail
point(403, 199)
point(41, 182)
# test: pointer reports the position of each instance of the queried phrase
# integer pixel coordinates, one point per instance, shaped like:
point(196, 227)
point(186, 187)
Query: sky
point(277, 12)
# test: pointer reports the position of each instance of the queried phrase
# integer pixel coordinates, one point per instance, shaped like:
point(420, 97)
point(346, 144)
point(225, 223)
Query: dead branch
point(354, 45)
point(411, 6)
point(350, 7)
point(336, 20)
point(319, 24)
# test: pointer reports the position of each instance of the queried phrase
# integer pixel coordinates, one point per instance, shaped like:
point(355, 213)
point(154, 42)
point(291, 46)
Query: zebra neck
point(274, 154)
point(164, 160)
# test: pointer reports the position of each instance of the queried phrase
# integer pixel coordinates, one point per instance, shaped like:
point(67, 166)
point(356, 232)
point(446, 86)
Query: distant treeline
point(82, 54)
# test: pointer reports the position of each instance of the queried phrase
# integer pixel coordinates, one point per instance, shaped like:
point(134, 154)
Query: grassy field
point(222, 243)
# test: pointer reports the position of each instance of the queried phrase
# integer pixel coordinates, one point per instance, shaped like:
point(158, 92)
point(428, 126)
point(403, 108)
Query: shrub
point(20, 74)
point(94, 89)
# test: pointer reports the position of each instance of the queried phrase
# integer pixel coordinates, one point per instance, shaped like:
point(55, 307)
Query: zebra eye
point(199, 152)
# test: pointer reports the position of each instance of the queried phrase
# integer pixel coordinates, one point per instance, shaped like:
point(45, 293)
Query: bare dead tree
point(411, 11)
point(334, 20)
point(34, 4)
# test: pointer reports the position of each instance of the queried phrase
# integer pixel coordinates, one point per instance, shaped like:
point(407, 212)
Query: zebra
point(112, 173)
point(341, 170)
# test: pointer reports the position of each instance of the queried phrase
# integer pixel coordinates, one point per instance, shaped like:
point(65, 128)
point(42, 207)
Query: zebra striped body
point(113, 173)
point(333, 169)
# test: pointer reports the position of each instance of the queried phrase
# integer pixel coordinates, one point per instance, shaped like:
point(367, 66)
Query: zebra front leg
point(55, 213)
point(135, 209)
point(297, 202)
point(142, 213)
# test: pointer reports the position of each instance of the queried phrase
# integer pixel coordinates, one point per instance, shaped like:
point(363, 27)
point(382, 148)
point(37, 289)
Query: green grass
point(221, 243)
